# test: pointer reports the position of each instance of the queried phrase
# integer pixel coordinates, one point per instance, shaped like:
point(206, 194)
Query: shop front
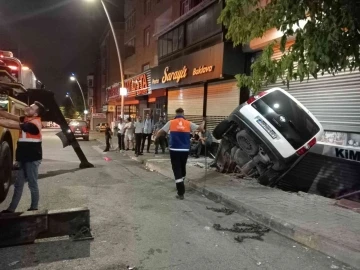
point(202, 83)
point(136, 101)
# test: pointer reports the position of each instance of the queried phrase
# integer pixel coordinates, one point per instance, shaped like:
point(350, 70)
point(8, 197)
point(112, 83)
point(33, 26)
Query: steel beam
point(25, 228)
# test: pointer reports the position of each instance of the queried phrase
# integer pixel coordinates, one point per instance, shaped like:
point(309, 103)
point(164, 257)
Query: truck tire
point(221, 128)
point(5, 169)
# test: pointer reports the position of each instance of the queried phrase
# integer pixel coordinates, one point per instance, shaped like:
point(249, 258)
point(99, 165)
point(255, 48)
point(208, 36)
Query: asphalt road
point(136, 221)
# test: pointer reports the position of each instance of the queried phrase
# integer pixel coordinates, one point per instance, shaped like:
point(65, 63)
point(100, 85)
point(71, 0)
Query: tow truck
point(18, 90)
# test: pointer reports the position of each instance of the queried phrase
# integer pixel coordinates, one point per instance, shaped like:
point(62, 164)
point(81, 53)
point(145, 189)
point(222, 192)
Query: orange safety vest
point(27, 137)
point(180, 129)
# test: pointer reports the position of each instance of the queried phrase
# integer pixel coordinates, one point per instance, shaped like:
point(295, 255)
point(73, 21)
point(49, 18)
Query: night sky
point(53, 37)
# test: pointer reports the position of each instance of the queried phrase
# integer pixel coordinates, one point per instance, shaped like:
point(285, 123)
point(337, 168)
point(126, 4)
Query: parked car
point(100, 127)
point(80, 129)
point(266, 136)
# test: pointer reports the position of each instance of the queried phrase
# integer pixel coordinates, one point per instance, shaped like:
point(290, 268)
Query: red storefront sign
point(139, 85)
point(113, 91)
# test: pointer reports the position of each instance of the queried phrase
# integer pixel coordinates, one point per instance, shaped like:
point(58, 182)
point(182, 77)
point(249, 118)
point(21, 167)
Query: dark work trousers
point(160, 141)
point(148, 137)
point(121, 140)
point(107, 138)
point(138, 138)
point(178, 162)
point(202, 146)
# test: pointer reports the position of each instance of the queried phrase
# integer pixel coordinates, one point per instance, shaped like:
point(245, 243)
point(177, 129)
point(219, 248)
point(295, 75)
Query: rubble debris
point(253, 228)
point(13, 263)
point(224, 210)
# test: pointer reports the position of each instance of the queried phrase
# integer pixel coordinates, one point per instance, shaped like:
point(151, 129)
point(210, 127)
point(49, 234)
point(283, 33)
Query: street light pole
point(73, 78)
point(119, 57)
point(72, 102)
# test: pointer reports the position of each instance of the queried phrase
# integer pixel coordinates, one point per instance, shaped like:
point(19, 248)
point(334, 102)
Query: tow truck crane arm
point(46, 97)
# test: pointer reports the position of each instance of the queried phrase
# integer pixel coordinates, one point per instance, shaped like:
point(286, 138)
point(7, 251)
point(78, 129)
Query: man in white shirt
point(148, 131)
point(121, 134)
point(139, 129)
point(129, 134)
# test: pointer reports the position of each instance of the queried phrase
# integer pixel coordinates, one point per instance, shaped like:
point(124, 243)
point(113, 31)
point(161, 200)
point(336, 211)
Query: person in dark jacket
point(108, 134)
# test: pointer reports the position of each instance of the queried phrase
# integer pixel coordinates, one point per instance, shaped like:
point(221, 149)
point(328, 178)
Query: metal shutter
point(222, 99)
point(191, 99)
point(334, 100)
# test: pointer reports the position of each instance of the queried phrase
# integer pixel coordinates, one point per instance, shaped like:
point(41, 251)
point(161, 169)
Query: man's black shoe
point(156, 152)
point(7, 212)
point(180, 197)
point(141, 154)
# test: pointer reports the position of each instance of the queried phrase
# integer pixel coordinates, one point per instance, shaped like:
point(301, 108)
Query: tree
point(327, 43)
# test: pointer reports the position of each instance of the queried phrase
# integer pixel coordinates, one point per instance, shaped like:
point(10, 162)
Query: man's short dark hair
point(41, 108)
point(179, 111)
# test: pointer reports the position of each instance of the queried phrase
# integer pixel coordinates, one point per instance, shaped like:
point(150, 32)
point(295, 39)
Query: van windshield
point(287, 117)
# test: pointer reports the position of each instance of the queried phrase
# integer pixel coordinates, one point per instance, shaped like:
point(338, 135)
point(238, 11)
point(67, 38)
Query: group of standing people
point(180, 143)
point(133, 135)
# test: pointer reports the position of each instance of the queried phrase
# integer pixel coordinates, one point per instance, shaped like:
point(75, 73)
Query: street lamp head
point(86, 111)
point(72, 78)
point(123, 91)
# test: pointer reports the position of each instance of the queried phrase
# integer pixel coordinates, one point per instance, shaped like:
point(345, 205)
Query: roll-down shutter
point(222, 99)
point(191, 99)
point(334, 100)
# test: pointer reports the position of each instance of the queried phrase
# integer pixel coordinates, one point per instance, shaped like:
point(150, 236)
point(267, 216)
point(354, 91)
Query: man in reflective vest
point(28, 152)
point(179, 146)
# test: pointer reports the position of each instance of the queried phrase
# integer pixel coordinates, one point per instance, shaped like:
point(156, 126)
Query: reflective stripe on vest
point(27, 137)
point(180, 134)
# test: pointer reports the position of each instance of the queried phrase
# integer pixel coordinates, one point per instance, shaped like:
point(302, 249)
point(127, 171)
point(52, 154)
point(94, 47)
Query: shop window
point(184, 6)
point(171, 42)
point(341, 139)
point(147, 36)
point(203, 25)
point(130, 48)
point(147, 7)
point(145, 66)
point(130, 22)
point(90, 83)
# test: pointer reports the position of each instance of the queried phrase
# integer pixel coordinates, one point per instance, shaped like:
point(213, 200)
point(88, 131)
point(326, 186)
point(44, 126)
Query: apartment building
point(143, 19)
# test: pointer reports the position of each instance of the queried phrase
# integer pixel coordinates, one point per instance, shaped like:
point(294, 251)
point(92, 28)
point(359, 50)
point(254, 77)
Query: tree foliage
point(327, 43)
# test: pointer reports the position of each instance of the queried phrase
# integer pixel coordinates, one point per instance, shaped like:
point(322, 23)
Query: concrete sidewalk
point(308, 219)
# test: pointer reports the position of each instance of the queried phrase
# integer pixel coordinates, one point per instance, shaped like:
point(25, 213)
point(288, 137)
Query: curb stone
point(343, 253)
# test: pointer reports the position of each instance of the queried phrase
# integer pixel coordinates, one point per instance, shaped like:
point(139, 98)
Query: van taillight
point(306, 148)
point(255, 97)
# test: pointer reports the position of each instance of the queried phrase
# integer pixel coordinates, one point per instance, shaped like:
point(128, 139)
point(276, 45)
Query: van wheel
point(247, 143)
point(221, 128)
point(5, 170)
